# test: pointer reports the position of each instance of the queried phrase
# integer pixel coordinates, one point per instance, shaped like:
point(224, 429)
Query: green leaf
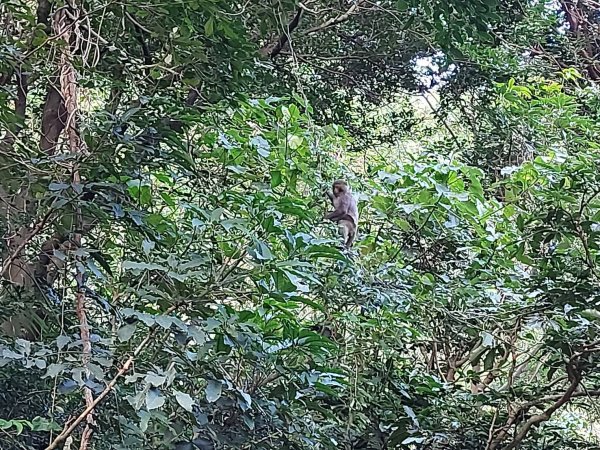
point(276, 178)
point(322, 251)
point(145, 417)
point(57, 186)
point(261, 251)
point(488, 362)
point(184, 400)
point(249, 421)
point(209, 27)
point(197, 334)
point(295, 142)
point(148, 245)
point(126, 332)
point(18, 425)
point(164, 321)
point(42, 424)
point(154, 379)
point(54, 370)
point(487, 340)
point(213, 390)
point(154, 399)
point(94, 269)
point(246, 398)
point(62, 341)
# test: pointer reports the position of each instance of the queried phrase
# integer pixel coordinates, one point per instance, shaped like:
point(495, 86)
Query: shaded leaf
point(154, 399)
point(213, 390)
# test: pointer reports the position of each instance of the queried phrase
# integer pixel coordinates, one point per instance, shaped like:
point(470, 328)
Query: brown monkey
point(345, 212)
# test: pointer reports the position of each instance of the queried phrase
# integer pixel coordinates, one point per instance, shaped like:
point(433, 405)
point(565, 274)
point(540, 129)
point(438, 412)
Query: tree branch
point(517, 413)
point(20, 109)
point(14, 255)
point(539, 418)
point(335, 20)
point(109, 387)
point(140, 30)
point(54, 117)
point(274, 50)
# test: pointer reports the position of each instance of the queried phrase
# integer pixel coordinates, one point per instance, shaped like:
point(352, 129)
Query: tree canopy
point(168, 280)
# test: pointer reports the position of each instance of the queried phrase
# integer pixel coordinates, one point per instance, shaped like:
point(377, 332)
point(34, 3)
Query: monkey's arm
point(336, 215)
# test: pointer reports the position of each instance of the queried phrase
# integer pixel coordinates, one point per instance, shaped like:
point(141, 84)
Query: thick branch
point(579, 25)
point(109, 387)
point(517, 413)
point(6, 76)
point(571, 14)
point(539, 418)
point(20, 108)
point(140, 38)
point(274, 50)
point(54, 118)
point(6, 264)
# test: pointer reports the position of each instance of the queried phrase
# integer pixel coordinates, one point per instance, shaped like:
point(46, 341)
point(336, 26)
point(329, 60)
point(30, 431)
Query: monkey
point(345, 212)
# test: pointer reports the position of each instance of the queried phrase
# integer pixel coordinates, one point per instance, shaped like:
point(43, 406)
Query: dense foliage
point(168, 280)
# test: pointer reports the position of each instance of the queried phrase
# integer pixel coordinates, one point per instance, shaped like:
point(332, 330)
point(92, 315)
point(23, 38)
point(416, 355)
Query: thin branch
point(15, 254)
point(140, 30)
point(517, 413)
point(415, 232)
point(109, 387)
point(361, 57)
point(138, 25)
point(336, 20)
point(446, 126)
point(350, 79)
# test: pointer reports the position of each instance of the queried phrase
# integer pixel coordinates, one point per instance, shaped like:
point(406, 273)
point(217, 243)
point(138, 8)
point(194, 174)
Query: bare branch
point(335, 20)
point(110, 386)
point(273, 50)
point(539, 418)
point(6, 264)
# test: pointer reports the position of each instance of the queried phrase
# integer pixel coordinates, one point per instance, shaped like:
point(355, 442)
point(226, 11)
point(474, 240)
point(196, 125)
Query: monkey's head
point(339, 187)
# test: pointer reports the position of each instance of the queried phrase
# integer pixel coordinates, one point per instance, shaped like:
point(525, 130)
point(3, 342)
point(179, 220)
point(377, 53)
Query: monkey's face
point(339, 187)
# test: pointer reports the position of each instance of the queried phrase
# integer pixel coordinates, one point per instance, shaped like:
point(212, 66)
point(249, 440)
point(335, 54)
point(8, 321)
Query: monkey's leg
point(351, 237)
point(348, 231)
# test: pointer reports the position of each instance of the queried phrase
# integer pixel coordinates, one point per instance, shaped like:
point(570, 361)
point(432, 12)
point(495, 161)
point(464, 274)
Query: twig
point(67, 432)
point(415, 232)
point(491, 431)
point(14, 255)
point(140, 30)
point(335, 20)
point(137, 24)
point(446, 126)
